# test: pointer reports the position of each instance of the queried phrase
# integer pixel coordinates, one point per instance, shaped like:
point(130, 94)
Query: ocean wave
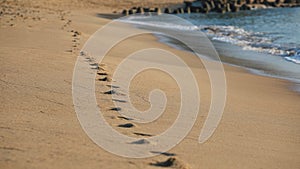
point(247, 40)
point(295, 58)
point(255, 41)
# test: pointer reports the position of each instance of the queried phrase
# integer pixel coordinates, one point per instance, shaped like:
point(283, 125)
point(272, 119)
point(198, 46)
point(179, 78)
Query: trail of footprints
point(75, 35)
point(171, 161)
point(104, 77)
point(12, 14)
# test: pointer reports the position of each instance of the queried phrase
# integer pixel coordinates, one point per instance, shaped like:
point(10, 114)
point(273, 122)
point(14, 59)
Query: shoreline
point(263, 84)
point(263, 63)
point(295, 83)
point(39, 127)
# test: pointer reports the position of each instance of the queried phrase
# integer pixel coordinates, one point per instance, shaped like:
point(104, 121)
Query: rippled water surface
point(265, 40)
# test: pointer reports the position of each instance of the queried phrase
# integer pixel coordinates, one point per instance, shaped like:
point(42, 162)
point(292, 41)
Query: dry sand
point(40, 42)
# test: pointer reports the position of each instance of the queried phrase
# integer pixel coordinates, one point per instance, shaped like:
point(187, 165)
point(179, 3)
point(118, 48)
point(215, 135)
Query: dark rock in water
point(188, 3)
point(125, 12)
point(198, 4)
point(140, 10)
point(188, 10)
point(212, 4)
point(258, 6)
point(207, 7)
point(181, 10)
point(245, 7)
point(156, 9)
point(270, 3)
point(147, 10)
point(221, 9)
point(167, 11)
point(176, 11)
point(196, 9)
point(235, 8)
point(130, 12)
point(152, 10)
point(241, 2)
point(228, 9)
point(290, 1)
point(220, 6)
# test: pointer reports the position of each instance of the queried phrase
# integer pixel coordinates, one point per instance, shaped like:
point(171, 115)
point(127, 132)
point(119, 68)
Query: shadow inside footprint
point(102, 73)
point(143, 134)
point(103, 79)
point(112, 86)
point(115, 109)
point(163, 153)
point(127, 125)
point(94, 66)
point(110, 92)
point(117, 100)
point(125, 118)
point(100, 68)
point(141, 141)
point(171, 162)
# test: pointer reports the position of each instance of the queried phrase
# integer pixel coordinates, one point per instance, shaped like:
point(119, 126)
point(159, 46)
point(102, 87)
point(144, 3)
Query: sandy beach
point(39, 46)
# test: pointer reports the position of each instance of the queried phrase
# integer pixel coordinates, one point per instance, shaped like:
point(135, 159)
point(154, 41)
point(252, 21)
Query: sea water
point(266, 41)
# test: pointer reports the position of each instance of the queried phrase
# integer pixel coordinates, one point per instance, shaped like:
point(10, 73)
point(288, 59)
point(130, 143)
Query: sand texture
point(39, 44)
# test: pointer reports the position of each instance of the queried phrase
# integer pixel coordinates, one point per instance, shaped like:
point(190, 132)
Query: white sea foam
point(295, 59)
point(247, 40)
point(148, 21)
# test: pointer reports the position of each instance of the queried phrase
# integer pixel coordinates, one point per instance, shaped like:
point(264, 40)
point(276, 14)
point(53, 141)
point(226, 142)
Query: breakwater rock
point(221, 6)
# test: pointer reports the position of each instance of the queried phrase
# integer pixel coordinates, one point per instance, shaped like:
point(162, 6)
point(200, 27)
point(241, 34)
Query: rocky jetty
point(221, 6)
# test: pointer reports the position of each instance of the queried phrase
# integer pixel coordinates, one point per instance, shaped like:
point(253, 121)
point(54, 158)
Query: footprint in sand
point(141, 141)
point(112, 86)
point(75, 36)
point(126, 125)
point(142, 134)
point(110, 92)
point(117, 100)
point(163, 153)
point(172, 162)
point(104, 79)
point(94, 66)
point(115, 109)
point(102, 73)
point(125, 118)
